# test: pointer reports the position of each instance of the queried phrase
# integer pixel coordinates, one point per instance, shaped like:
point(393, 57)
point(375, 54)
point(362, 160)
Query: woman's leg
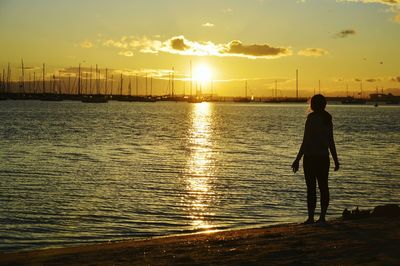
point(322, 179)
point(309, 175)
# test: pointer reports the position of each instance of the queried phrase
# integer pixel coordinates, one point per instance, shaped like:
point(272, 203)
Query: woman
point(317, 142)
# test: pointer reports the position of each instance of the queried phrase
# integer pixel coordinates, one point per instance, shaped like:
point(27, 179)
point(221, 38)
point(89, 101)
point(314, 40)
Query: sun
point(202, 73)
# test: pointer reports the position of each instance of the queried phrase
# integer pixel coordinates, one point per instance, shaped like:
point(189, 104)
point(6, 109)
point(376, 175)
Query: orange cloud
point(236, 48)
point(313, 52)
point(345, 33)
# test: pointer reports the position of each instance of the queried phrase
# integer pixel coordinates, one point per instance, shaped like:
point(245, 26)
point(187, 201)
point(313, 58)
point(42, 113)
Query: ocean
point(73, 173)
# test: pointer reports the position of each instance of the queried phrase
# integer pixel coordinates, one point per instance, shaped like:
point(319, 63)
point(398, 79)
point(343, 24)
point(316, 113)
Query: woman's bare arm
point(332, 149)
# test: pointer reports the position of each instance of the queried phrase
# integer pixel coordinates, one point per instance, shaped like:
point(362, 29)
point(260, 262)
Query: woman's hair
point(318, 103)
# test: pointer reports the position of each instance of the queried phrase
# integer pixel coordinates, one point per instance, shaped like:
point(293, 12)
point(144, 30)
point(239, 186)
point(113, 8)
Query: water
point(74, 173)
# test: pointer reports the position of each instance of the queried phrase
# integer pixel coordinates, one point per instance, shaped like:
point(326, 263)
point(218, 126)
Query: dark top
point(318, 134)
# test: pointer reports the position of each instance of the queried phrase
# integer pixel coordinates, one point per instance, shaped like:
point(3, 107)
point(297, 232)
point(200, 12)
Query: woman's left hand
point(295, 166)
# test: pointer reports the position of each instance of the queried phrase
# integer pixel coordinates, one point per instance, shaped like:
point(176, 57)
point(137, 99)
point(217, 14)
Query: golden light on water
point(199, 170)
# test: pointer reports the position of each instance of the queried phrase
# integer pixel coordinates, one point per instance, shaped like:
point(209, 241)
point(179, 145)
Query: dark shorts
point(316, 169)
point(316, 166)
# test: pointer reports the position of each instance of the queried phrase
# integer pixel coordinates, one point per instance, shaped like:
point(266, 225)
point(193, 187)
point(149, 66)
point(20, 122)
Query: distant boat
point(194, 100)
point(352, 100)
point(95, 99)
point(386, 98)
point(149, 99)
point(241, 100)
point(47, 97)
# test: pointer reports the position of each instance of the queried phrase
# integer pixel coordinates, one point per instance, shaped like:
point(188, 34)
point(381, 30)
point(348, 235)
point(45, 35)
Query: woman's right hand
point(337, 166)
point(295, 166)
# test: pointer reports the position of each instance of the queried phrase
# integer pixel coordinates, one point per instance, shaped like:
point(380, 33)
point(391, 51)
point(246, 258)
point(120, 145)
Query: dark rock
point(355, 214)
point(388, 210)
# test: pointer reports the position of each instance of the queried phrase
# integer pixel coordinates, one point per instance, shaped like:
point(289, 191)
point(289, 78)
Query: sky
point(338, 44)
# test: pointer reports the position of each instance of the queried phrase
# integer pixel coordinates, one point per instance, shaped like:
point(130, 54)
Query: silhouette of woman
point(317, 140)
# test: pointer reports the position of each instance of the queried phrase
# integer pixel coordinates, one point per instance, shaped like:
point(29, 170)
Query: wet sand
point(373, 241)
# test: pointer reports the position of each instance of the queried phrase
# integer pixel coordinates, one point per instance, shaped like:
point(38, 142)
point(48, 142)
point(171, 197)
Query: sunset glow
point(333, 44)
point(202, 73)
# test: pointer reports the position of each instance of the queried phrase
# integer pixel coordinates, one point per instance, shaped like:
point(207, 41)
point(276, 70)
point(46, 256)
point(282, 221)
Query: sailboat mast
point(8, 77)
point(130, 86)
point(29, 82)
point(59, 82)
point(34, 82)
point(191, 79)
point(69, 84)
point(319, 86)
point(22, 76)
point(43, 80)
point(54, 84)
point(105, 85)
point(3, 84)
point(86, 83)
point(120, 89)
point(297, 84)
point(79, 80)
point(97, 80)
point(151, 85)
point(90, 80)
point(173, 82)
point(137, 85)
point(112, 83)
point(146, 84)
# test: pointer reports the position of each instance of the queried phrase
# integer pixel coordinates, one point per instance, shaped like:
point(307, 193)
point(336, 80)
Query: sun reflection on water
point(199, 170)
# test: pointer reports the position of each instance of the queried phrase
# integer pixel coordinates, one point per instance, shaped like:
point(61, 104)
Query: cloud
point(236, 48)
point(345, 33)
point(393, 4)
point(30, 68)
point(373, 80)
point(155, 73)
point(127, 53)
point(313, 52)
point(227, 10)
point(384, 2)
point(395, 79)
point(208, 25)
point(182, 46)
point(116, 44)
point(178, 43)
point(86, 44)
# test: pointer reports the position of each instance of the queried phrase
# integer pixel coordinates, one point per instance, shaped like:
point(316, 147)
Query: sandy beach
point(374, 241)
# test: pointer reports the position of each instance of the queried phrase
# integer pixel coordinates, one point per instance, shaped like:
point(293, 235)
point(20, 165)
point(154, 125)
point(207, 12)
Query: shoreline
point(370, 240)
